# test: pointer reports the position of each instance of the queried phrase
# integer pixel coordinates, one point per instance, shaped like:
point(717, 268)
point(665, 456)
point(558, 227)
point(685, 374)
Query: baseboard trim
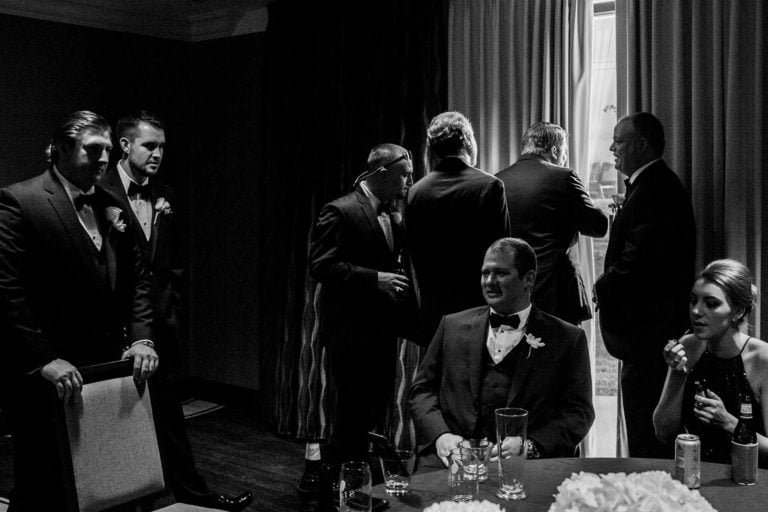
point(220, 393)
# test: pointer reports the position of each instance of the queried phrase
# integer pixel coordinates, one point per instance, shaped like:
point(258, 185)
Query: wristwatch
point(532, 449)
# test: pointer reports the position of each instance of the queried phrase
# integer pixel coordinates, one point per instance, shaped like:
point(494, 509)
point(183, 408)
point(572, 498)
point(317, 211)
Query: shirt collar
point(635, 174)
point(523, 314)
point(70, 188)
point(375, 201)
point(125, 179)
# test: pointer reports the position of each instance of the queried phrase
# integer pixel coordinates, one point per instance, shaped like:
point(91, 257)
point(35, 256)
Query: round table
point(542, 477)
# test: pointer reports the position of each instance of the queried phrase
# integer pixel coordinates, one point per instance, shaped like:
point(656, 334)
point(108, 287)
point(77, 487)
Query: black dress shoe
point(235, 504)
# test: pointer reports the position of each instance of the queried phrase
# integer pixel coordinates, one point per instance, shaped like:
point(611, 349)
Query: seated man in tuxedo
point(505, 354)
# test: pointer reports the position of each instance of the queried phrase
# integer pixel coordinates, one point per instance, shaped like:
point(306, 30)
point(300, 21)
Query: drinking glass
point(355, 487)
point(397, 467)
point(463, 485)
point(511, 434)
point(481, 452)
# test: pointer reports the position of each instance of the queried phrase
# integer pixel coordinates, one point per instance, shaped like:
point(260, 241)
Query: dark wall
point(209, 95)
point(227, 251)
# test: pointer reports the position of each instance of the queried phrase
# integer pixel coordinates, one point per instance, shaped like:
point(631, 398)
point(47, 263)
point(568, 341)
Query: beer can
point(688, 460)
point(744, 463)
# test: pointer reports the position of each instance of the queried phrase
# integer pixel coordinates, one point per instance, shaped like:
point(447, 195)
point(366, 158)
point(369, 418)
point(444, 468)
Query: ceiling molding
point(184, 20)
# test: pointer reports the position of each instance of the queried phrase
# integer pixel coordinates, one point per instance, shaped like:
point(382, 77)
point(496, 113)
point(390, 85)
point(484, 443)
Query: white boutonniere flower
point(618, 203)
point(115, 217)
point(533, 342)
point(162, 207)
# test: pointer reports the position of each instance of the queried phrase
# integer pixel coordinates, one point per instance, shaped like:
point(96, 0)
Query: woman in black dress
point(712, 370)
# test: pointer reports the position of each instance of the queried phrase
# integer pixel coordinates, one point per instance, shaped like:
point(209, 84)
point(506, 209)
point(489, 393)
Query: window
point(602, 188)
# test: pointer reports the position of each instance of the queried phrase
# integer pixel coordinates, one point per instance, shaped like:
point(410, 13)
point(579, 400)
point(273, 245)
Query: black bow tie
point(84, 199)
point(497, 321)
point(143, 190)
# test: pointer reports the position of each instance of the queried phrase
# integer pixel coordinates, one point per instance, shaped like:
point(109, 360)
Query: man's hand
point(65, 377)
point(145, 361)
point(510, 447)
point(395, 286)
point(444, 444)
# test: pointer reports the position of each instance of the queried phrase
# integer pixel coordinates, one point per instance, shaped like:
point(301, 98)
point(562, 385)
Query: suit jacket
point(160, 255)
point(548, 208)
point(649, 267)
point(453, 215)
point(347, 250)
point(554, 383)
point(54, 300)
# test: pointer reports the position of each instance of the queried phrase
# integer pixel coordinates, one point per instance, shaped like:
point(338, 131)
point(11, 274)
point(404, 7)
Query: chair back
point(110, 444)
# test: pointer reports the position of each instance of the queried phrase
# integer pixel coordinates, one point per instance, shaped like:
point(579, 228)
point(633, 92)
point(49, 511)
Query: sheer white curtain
point(513, 63)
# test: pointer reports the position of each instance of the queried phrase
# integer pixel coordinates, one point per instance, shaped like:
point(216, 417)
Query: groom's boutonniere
point(162, 207)
point(115, 217)
point(533, 342)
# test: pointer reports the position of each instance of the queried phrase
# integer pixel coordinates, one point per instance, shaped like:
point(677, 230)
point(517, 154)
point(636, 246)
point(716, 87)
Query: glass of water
point(481, 452)
point(397, 467)
point(355, 487)
point(463, 484)
point(511, 434)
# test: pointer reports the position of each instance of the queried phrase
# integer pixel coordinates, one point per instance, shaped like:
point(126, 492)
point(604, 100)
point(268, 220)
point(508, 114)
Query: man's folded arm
point(560, 436)
point(424, 400)
point(327, 261)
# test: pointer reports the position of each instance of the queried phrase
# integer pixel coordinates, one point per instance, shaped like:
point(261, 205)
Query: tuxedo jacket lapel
point(475, 345)
point(67, 215)
point(114, 187)
point(526, 358)
point(157, 222)
point(371, 217)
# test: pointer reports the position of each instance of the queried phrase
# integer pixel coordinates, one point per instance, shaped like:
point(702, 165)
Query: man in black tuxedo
point(507, 353)
point(548, 208)
point(133, 182)
point(453, 214)
point(355, 254)
point(73, 292)
point(649, 268)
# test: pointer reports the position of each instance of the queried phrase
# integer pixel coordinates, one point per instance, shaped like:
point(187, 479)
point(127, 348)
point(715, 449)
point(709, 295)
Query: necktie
point(84, 200)
point(143, 190)
point(496, 321)
point(627, 185)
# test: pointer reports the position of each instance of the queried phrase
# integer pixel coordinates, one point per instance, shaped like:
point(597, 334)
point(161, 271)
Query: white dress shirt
point(85, 214)
point(384, 219)
point(141, 206)
point(502, 340)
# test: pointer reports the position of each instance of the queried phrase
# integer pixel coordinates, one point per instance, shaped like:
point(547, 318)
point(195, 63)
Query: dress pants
point(32, 417)
point(181, 474)
point(364, 383)
point(641, 386)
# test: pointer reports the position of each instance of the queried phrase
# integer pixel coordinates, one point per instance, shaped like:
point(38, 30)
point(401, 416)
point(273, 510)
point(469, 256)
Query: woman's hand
point(674, 356)
point(710, 410)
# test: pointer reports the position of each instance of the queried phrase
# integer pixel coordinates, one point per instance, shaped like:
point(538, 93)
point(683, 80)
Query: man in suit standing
point(649, 268)
point(548, 208)
point(453, 214)
point(133, 182)
point(73, 292)
point(507, 353)
point(355, 254)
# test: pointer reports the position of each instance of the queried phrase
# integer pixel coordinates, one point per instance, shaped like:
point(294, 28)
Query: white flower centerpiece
point(650, 491)
point(471, 506)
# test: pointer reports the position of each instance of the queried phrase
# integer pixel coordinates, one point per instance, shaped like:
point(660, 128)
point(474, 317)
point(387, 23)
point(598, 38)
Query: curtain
point(700, 67)
point(343, 76)
point(514, 63)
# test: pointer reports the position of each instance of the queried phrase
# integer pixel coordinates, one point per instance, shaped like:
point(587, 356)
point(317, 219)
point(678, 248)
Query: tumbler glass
point(355, 487)
point(463, 485)
point(481, 452)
